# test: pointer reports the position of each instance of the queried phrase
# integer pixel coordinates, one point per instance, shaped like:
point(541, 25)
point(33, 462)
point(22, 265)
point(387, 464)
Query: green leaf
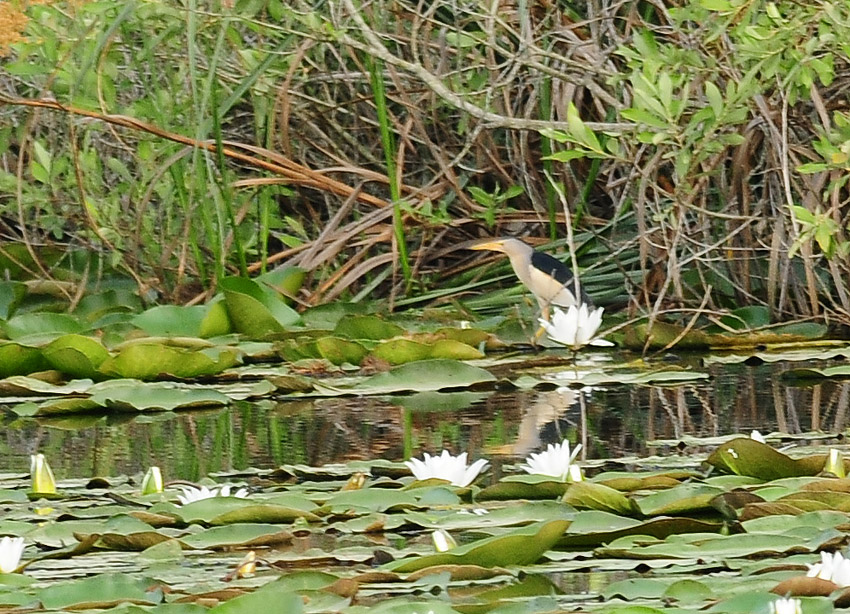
point(642, 116)
point(18, 359)
point(419, 376)
point(745, 456)
point(366, 327)
point(340, 351)
point(41, 326)
point(581, 133)
point(101, 591)
point(588, 495)
point(255, 310)
point(76, 355)
point(133, 395)
point(715, 98)
point(277, 596)
point(519, 547)
point(148, 360)
point(171, 320)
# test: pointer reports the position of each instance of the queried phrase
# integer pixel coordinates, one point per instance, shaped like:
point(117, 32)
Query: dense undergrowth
point(699, 150)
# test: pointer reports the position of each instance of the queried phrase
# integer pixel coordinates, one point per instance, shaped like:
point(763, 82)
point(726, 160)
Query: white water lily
point(833, 567)
point(756, 436)
point(786, 606)
point(43, 481)
point(192, 494)
point(555, 461)
point(575, 327)
point(446, 467)
point(11, 549)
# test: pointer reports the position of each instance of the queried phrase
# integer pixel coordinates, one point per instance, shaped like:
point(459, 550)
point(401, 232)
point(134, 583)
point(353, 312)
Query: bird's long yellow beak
point(496, 246)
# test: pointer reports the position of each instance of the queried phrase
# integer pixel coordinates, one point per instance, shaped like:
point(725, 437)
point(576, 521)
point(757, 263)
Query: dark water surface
point(615, 421)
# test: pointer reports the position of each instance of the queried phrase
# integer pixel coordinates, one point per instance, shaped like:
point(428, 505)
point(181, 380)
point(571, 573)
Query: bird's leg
point(544, 315)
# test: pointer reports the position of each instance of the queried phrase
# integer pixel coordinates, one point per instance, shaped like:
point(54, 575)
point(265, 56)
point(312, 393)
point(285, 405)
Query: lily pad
point(745, 456)
point(519, 547)
point(171, 320)
point(18, 359)
point(130, 395)
point(76, 355)
point(418, 376)
point(146, 361)
point(366, 327)
point(256, 310)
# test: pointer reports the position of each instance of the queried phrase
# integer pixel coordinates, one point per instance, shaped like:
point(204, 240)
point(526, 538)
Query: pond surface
point(612, 422)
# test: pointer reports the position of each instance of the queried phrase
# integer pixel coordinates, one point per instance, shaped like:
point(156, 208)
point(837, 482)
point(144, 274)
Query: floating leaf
point(171, 320)
point(745, 456)
point(401, 350)
point(76, 355)
point(682, 499)
point(588, 495)
point(99, 592)
point(519, 547)
point(366, 327)
point(592, 528)
point(146, 360)
point(340, 351)
point(129, 395)
point(216, 320)
point(813, 373)
point(419, 376)
point(277, 595)
point(17, 359)
point(41, 326)
point(255, 310)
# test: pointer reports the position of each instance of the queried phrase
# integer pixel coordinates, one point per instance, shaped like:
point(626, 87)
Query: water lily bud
point(43, 481)
point(248, 565)
point(756, 436)
point(152, 482)
point(11, 549)
point(574, 474)
point(356, 481)
point(443, 542)
point(835, 463)
point(786, 606)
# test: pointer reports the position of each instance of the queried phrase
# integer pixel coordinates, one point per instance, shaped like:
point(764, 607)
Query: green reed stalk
point(388, 143)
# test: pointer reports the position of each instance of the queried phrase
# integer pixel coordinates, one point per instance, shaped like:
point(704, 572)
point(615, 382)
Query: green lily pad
point(813, 373)
point(401, 350)
point(593, 528)
point(216, 320)
point(683, 499)
point(745, 456)
point(519, 547)
point(146, 361)
point(588, 495)
point(366, 327)
point(523, 487)
point(419, 376)
point(255, 310)
point(76, 355)
point(339, 351)
point(100, 592)
point(171, 320)
point(18, 359)
point(131, 395)
point(41, 326)
point(278, 593)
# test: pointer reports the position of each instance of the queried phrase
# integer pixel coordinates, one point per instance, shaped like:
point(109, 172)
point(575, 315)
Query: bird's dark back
point(557, 269)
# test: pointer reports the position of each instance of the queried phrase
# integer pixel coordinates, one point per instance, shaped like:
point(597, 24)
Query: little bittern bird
point(550, 280)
